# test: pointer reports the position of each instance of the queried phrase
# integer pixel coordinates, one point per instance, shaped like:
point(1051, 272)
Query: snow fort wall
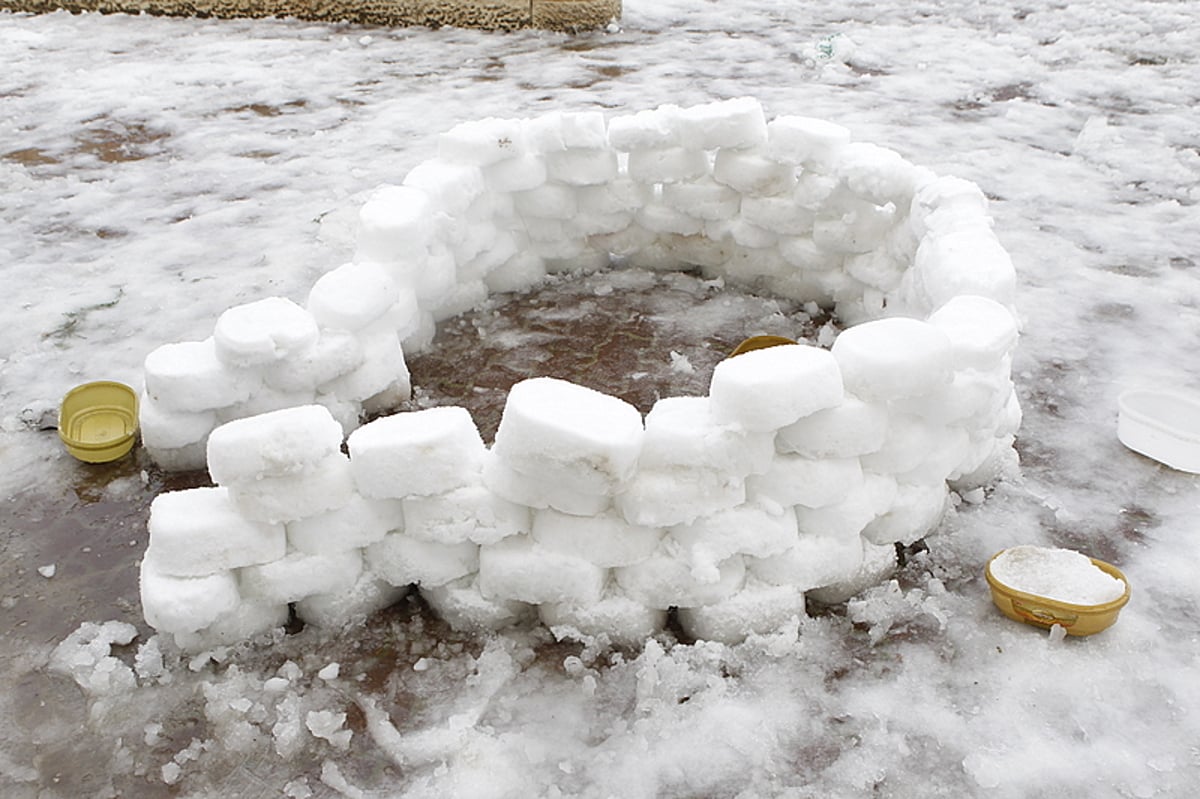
point(798, 472)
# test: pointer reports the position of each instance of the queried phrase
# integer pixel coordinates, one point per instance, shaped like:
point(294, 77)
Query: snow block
point(276, 444)
point(581, 439)
point(199, 531)
point(766, 389)
point(416, 453)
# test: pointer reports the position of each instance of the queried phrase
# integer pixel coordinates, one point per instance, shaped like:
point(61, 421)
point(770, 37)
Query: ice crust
point(795, 474)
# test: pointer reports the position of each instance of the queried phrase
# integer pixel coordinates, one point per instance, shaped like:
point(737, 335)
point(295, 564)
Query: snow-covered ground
point(156, 171)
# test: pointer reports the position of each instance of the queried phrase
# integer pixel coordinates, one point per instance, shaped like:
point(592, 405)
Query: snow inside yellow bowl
point(98, 421)
point(1045, 612)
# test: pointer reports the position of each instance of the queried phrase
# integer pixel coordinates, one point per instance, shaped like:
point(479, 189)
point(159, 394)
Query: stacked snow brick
point(795, 475)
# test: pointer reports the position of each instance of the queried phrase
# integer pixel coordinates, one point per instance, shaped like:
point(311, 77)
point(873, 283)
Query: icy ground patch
point(157, 171)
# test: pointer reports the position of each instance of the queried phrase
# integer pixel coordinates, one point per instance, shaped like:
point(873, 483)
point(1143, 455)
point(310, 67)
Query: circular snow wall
point(797, 473)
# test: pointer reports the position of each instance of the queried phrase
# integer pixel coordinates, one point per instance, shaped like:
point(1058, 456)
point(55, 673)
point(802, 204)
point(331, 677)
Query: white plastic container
point(1163, 425)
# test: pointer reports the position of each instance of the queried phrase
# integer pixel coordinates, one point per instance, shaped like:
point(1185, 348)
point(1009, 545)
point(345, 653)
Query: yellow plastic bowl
point(1044, 612)
point(98, 421)
point(759, 343)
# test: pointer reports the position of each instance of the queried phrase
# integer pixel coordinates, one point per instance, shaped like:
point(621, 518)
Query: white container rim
point(1171, 412)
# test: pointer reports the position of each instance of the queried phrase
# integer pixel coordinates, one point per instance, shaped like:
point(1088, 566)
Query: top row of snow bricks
point(791, 206)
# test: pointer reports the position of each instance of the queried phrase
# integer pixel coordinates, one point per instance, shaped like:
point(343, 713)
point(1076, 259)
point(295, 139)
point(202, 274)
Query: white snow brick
point(437, 276)
point(462, 298)
point(199, 531)
point(681, 431)
point(539, 492)
point(846, 430)
point(797, 480)
point(339, 610)
point(781, 214)
point(298, 575)
point(667, 164)
point(665, 496)
point(505, 246)
point(416, 452)
point(249, 619)
point(518, 568)
point(657, 256)
point(401, 559)
point(739, 122)
point(623, 621)
point(460, 604)
point(598, 224)
point(757, 609)
point(520, 173)
point(580, 438)
point(658, 127)
point(697, 250)
point(185, 604)
point(766, 389)
point(878, 563)
point(266, 400)
point(583, 129)
point(351, 296)
point(803, 253)
point(981, 331)
point(916, 512)
point(548, 201)
point(948, 265)
point(852, 226)
point(877, 174)
point(394, 221)
point(187, 377)
point(470, 513)
point(973, 399)
point(880, 268)
point(846, 519)
point(814, 561)
point(800, 140)
point(520, 272)
point(618, 196)
point(743, 233)
point(752, 172)
point(664, 581)
point(751, 529)
point(481, 141)
point(326, 486)
point(582, 167)
point(663, 219)
point(950, 448)
point(949, 198)
point(893, 358)
point(166, 429)
point(262, 332)
point(909, 440)
point(333, 354)
point(702, 199)
point(284, 442)
point(356, 524)
point(450, 187)
point(629, 241)
point(606, 539)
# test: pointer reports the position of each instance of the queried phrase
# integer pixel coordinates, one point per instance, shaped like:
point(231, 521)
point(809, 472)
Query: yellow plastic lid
point(760, 343)
point(98, 421)
point(1044, 612)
